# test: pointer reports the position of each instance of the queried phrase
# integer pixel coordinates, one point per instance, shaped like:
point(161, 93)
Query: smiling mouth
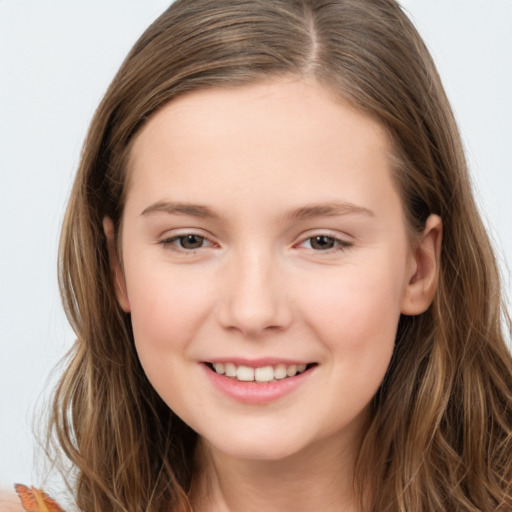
point(262, 374)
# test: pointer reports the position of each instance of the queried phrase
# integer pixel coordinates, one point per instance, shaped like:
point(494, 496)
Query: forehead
point(263, 108)
point(270, 140)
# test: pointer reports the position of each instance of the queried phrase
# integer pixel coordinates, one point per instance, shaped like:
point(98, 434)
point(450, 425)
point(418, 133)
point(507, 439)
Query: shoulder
point(10, 502)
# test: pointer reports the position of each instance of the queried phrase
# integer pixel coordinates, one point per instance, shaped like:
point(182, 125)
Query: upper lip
point(257, 363)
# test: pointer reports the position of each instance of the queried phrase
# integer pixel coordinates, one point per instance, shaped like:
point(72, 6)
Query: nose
point(254, 300)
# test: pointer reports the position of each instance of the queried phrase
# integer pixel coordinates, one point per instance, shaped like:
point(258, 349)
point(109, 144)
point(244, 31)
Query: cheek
point(356, 312)
point(167, 308)
point(356, 318)
point(167, 311)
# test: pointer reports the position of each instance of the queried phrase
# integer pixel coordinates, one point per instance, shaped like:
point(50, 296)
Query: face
point(265, 264)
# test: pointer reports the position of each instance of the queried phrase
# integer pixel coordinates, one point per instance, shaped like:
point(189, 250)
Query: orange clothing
point(36, 500)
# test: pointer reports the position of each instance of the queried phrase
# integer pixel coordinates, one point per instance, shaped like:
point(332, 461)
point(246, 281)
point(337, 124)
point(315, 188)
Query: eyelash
point(170, 242)
point(339, 244)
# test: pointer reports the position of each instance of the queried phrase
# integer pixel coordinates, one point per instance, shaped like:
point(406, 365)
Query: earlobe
point(426, 255)
point(116, 270)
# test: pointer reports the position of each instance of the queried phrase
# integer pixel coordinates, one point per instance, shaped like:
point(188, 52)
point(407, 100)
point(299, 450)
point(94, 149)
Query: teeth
point(245, 373)
point(280, 371)
point(291, 371)
point(230, 370)
point(264, 374)
point(260, 374)
point(219, 368)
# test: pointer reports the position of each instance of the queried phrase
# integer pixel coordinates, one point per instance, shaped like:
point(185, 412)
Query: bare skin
point(262, 223)
point(9, 502)
point(289, 484)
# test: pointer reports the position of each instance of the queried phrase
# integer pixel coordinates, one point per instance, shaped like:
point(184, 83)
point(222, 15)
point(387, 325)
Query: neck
point(320, 477)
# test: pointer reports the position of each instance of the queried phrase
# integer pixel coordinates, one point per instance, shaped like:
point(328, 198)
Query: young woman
point(283, 295)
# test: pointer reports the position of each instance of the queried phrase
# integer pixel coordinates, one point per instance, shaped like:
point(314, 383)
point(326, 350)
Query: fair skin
point(10, 502)
point(263, 229)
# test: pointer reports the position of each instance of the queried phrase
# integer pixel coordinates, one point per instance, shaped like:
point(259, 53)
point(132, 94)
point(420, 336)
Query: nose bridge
point(254, 299)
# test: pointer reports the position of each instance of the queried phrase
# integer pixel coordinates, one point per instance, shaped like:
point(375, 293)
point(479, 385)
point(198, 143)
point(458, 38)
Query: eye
point(325, 243)
point(322, 242)
point(187, 242)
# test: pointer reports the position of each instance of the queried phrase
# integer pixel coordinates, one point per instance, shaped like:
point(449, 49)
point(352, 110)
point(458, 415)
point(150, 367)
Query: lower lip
point(254, 392)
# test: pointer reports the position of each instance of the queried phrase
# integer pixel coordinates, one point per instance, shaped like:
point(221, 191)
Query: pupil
point(322, 242)
point(191, 241)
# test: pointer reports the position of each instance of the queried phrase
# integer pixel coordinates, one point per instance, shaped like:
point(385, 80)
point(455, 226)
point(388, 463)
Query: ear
point(425, 266)
point(116, 269)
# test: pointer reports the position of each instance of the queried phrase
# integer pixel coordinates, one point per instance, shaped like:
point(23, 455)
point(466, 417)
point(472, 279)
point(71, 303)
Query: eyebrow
point(306, 212)
point(173, 208)
point(331, 209)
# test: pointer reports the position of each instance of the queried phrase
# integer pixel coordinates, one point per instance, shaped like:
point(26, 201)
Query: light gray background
point(57, 58)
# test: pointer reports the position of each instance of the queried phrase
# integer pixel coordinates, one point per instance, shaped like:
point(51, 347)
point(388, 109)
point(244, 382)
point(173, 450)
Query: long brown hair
point(440, 436)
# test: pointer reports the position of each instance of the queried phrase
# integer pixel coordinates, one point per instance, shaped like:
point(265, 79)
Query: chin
point(257, 447)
